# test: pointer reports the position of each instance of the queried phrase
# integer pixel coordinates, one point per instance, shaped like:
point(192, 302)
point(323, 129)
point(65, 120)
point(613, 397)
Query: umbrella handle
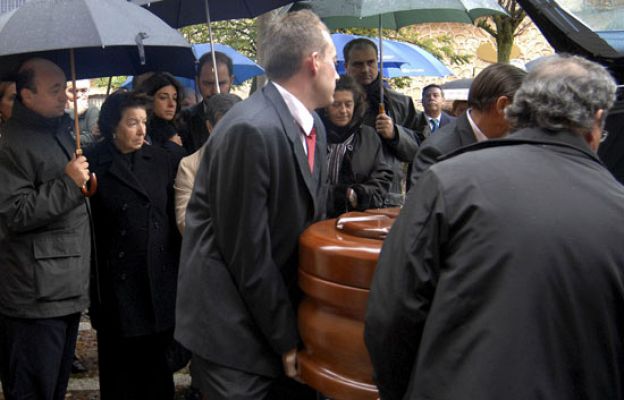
point(90, 191)
point(382, 108)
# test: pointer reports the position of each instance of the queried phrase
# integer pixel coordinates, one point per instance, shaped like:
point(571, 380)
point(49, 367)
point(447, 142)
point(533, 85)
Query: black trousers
point(36, 356)
point(217, 382)
point(135, 368)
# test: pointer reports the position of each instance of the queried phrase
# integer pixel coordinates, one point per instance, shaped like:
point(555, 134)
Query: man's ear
point(501, 103)
point(593, 137)
point(27, 96)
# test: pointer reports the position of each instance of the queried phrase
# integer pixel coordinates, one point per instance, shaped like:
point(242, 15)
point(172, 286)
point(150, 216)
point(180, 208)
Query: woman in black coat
point(137, 255)
point(166, 93)
point(359, 175)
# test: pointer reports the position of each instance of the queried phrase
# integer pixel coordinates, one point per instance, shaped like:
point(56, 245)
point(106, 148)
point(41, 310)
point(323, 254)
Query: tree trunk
point(504, 38)
point(262, 22)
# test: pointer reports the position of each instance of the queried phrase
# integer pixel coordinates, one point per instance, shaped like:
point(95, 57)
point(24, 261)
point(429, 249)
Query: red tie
point(311, 145)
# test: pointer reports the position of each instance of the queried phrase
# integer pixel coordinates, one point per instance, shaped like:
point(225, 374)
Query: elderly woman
point(167, 94)
point(7, 98)
point(359, 175)
point(137, 254)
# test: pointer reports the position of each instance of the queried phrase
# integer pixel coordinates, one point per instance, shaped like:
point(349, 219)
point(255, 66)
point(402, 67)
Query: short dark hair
point(114, 107)
point(25, 79)
point(347, 83)
point(432, 86)
point(220, 57)
point(158, 81)
point(358, 44)
point(493, 82)
point(218, 104)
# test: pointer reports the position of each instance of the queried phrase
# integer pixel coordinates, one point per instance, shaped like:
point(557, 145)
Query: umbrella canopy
point(244, 68)
point(399, 58)
point(108, 37)
point(178, 13)
point(457, 89)
point(396, 14)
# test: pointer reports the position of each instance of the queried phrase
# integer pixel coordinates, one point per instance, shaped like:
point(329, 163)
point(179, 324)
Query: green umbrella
point(396, 14)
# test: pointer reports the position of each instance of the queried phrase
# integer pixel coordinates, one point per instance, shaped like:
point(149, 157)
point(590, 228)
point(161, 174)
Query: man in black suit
point(396, 127)
point(192, 121)
point(433, 116)
point(502, 277)
point(260, 183)
point(490, 93)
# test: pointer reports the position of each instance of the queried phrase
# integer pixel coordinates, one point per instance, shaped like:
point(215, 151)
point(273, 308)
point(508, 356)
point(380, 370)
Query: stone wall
point(466, 40)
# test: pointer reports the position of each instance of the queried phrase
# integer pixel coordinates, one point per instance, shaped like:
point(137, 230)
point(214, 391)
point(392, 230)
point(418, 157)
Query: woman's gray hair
point(561, 93)
point(289, 39)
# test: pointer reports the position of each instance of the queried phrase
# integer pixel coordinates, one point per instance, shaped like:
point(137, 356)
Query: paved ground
point(85, 386)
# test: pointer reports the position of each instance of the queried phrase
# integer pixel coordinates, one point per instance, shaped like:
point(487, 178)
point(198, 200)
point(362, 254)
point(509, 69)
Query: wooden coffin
point(337, 260)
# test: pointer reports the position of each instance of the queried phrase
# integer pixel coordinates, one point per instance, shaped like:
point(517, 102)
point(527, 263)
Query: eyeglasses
point(603, 135)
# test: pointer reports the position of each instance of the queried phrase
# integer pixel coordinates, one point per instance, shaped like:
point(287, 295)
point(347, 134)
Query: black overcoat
point(254, 195)
point(503, 278)
point(137, 241)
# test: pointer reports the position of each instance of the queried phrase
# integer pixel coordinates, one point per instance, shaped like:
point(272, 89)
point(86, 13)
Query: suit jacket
point(254, 195)
point(192, 127)
point(449, 138)
point(137, 241)
point(423, 129)
point(45, 238)
point(513, 254)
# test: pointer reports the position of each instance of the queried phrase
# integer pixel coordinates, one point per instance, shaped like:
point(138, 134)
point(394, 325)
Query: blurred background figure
point(7, 98)
point(359, 175)
point(166, 93)
point(459, 107)
point(217, 106)
point(192, 124)
point(433, 116)
point(138, 250)
point(87, 116)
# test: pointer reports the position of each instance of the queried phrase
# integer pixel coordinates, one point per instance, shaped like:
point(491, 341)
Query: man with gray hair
point(502, 276)
point(261, 182)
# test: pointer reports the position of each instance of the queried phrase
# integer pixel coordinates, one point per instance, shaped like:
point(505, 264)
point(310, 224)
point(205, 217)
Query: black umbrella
point(92, 38)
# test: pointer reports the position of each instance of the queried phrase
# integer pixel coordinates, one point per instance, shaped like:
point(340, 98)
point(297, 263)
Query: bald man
point(45, 245)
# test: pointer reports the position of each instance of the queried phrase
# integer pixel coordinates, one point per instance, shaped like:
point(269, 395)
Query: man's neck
point(299, 89)
point(432, 115)
point(483, 122)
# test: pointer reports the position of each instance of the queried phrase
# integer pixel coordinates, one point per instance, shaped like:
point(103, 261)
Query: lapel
point(119, 169)
point(293, 133)
point(66, 141)
point(464, 130)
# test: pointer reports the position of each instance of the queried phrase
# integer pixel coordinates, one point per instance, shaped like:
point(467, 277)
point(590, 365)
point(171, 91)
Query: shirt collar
point(299, 112)
point(479, 135)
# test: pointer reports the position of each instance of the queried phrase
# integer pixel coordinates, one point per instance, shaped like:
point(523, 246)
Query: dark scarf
point(160, 130)
point(339, 140)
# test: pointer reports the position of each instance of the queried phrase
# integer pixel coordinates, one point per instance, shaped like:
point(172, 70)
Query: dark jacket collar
point(535, 136)
point(31, 119)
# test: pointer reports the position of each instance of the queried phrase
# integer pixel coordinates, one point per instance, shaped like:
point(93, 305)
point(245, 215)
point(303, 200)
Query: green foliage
point(240, 34)
point(116, 82)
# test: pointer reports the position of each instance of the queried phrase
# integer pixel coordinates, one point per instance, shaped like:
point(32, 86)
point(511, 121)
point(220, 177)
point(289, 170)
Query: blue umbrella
point(399, 58)
point(244, 68)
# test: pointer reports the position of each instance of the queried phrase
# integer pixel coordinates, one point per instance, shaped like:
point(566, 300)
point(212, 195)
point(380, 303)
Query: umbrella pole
point(93, 186)
point(72, 63)
point(382, 108)
point(212, 50)
point(108, 87)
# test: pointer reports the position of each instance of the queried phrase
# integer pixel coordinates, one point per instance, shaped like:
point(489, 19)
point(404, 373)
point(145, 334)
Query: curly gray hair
point(562, 92)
